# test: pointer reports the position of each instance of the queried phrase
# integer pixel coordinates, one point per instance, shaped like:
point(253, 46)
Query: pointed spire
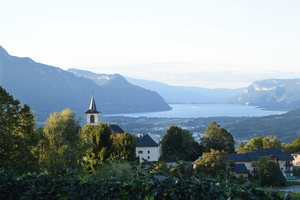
point(93, 108)
point(93, 104)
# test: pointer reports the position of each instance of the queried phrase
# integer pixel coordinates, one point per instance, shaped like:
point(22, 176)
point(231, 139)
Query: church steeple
point(93, 104)
point(93, 116)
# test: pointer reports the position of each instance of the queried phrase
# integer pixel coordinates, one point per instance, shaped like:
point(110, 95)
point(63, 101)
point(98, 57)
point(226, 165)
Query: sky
point(212, 44)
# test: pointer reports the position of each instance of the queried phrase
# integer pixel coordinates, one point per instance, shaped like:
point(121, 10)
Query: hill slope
point(48, 89)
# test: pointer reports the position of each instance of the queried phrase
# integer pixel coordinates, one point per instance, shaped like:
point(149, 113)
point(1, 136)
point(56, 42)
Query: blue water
point(206, 110)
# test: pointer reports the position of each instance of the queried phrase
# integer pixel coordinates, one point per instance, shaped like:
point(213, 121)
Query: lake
point(206, 110)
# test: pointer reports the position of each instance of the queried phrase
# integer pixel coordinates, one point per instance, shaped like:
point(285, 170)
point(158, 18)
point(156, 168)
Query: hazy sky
point(206, 43)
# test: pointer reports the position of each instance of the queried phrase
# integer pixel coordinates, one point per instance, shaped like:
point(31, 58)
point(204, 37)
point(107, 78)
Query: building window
point(148, 157)
point(92, 119)
point(148, 152)
point(140, 152)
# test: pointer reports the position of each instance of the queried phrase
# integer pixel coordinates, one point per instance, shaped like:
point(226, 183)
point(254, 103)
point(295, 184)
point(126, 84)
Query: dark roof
point(256, 155)
point(298, 152)
point(116, 128)
point(93, 108)
point(240, 169)
point(148, 141)
point(277, 153)
point(238, 157)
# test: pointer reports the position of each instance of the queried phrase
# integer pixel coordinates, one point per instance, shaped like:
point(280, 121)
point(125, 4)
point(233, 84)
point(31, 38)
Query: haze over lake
point(206, 110)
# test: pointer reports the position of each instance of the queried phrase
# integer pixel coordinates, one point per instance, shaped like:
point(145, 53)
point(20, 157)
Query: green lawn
point(291, 183)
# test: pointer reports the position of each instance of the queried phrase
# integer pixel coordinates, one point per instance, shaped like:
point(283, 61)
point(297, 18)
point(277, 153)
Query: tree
point(18, 135)
point(270, 174)
point(180, 142)
point(211, 162)
point(61, 146)
point(217, 138)
point(100, 136)
point(262, 161)
point(263, 142)
point(126, 146)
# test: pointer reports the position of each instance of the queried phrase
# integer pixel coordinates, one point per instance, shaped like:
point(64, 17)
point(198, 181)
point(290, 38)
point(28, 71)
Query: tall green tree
point(217, 138)
point(18, 135)
point(126, 147)
point(270, 174)
point(180, 142)
point(61, 147)
point(101, 137)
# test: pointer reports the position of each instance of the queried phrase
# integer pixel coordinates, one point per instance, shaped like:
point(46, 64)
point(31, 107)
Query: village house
point(283, 160)
point(296, 157)
point(149, 147)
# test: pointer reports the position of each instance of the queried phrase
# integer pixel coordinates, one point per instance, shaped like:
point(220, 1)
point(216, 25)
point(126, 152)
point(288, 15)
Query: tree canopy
point(61, 147)
point(270, 173)
point(18, 135)
point(217, 138)
point(211, 162)
point(260, 142)
point(180, 142)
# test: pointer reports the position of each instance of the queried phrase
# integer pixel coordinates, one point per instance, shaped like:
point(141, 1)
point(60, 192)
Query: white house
point(148, 147)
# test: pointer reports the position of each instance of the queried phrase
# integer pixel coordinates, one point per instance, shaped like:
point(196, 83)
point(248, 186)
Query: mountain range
point(278, 93)
point(47, 89)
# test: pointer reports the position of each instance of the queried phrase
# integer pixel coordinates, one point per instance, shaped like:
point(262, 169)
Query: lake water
point(206, 110)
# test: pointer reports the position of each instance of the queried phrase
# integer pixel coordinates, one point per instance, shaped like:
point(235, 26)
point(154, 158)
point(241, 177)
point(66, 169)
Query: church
point(93, 117)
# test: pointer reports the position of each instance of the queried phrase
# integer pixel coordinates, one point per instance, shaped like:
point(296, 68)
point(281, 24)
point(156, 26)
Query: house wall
point(296, 162)
point(245, 175)
point(149, 153)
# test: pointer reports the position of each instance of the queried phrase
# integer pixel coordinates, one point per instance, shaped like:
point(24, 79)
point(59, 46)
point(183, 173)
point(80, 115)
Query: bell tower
point(93, 116)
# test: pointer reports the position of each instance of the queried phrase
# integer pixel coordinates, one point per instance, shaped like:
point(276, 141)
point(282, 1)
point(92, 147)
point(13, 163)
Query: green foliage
point(126, 147)
point(294, 147)
point(18, 137)
point(180, 142)
point(61, 146)
point(262, 142)
point(101, 137)
point(71, 186)
point(271, 174)
point(262, 161)
point(217, 138)
point(211, 162)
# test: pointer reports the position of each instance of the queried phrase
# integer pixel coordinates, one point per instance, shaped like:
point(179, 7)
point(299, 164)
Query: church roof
point(93, 108)
point(116, 128)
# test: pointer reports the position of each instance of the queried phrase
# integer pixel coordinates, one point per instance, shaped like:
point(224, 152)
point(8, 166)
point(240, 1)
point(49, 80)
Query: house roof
point(238, 157)
point(277, 153)
point(116, 128)
point(93, 108)
point(296, 153)
point(148, 140)
point(240, 169)
point(256, 155)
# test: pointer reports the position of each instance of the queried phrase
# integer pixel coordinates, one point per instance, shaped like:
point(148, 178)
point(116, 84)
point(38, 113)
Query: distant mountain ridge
point(48, 89)
point(186, 94)
point(284, 92)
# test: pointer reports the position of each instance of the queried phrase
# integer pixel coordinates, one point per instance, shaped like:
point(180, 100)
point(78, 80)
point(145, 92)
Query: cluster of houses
point(149, 148)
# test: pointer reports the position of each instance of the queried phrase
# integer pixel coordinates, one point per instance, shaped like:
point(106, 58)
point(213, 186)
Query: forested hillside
point(285, 126)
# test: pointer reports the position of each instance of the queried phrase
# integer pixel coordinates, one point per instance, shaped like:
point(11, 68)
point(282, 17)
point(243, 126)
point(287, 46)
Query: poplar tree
point(61, 146)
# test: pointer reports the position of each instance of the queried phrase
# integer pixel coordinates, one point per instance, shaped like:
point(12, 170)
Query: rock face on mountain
point(48, 89)
point(270, 92)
